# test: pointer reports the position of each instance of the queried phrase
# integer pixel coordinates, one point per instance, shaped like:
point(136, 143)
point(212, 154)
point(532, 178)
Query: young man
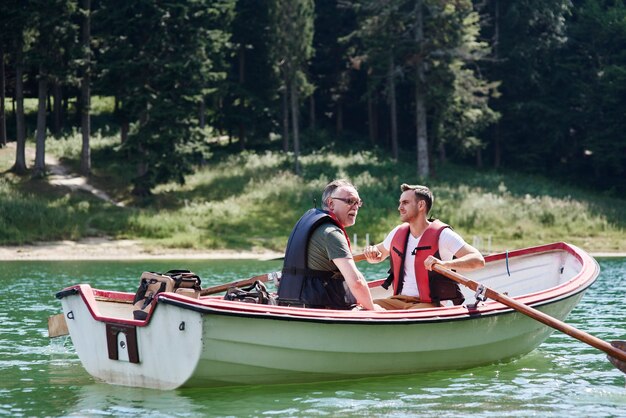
point(319, 271)
point(415, 246)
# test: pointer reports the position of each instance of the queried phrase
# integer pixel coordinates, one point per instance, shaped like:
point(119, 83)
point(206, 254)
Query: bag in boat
point(255, 293)
point(151, 284)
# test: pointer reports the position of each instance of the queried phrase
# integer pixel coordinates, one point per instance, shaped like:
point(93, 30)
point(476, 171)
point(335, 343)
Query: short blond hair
point(421, 193)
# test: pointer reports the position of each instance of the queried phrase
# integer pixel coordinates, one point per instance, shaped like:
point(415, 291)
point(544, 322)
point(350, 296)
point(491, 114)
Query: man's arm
point(356, 282)
point(467, 258)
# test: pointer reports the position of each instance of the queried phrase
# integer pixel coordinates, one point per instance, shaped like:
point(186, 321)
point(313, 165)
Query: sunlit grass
point(251, 201)
point(99, 104)
point(29, 215)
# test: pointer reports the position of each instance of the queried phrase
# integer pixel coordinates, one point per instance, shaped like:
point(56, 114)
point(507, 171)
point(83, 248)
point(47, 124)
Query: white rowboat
point(210, 341)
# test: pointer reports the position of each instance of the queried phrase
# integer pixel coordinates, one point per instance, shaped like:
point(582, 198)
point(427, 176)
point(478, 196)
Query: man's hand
point(431, 261)
point(373, 254)
point(355, 281)
point(467, 258)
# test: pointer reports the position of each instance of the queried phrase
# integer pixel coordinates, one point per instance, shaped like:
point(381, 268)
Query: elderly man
point(319, 271)
point(415, 246)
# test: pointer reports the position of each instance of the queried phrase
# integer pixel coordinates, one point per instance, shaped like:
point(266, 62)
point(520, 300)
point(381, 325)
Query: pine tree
point(162, 59)
point(292, 21)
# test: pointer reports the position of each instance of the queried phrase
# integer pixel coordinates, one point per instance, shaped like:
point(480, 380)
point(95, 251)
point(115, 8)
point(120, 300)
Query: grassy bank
point(251, 201)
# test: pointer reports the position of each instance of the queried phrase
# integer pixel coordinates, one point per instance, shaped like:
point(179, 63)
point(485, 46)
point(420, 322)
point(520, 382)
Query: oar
point(262, 278)
point(616, 350)
point(245, 282)
point(356, 257)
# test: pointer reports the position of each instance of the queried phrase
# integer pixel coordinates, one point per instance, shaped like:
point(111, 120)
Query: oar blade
point(57, 327)
point(621, 365)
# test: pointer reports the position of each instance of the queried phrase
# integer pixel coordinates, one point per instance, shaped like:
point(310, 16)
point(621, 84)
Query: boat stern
point(159, 352)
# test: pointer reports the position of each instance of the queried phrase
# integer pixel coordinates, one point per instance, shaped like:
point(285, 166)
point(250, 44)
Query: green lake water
point(40, 377)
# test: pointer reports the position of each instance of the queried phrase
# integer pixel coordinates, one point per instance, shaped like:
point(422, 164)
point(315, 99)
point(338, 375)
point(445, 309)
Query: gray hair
point(330, 189)
point(421, 193)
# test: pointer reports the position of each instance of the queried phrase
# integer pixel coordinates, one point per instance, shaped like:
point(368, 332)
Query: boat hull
point(212, 342)
point(238, 352)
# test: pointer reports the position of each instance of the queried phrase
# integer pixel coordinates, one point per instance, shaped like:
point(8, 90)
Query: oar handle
point(535, 314)
point(358, 257)
point(355, 257)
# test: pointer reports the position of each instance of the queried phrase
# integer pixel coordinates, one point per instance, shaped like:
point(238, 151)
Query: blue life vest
point(302, 286)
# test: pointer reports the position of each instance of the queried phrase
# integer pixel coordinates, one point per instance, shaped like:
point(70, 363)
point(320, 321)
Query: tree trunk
point(242, 79)
point(393, 112)
point(431, 146)
point(20, 154)
point(442, 152)
point(124, 128)
point(121, 118)
point(202, 111)
point(57, 110)
point(497, 150)
point(48, 102)
point(241, 132)
point(312, 116)
point(242, 65)
point(3, 121)
point(141, 187)
point(294, 122)
point(40, 143)
point(85, 92)
point(497, 157)
point(286, 119)
point(372, 119)
point(423, 167)
point(66, 105)
point(339, 116)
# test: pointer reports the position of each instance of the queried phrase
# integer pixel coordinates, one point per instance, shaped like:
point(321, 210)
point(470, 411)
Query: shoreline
point(107, 249)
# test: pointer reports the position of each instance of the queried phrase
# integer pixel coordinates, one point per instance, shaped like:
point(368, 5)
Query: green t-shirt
point(326, 243)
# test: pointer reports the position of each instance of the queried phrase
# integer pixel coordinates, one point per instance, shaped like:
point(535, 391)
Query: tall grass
point(251, 200)
point(38, 215)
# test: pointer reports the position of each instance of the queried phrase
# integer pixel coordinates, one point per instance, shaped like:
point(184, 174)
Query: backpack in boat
point(255, 293)
point(151, 284)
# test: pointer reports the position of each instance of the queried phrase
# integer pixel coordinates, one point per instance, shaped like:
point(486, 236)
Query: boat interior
point(515, 276)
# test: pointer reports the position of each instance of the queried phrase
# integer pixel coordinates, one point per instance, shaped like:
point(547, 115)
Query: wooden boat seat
point(115, 309)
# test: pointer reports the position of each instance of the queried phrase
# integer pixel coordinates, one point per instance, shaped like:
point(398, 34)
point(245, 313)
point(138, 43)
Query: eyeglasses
point(350, 202)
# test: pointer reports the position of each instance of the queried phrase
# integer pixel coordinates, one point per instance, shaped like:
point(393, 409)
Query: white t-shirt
point(449, 243)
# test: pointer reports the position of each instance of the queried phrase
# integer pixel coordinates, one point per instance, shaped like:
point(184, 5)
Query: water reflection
point(99, 399)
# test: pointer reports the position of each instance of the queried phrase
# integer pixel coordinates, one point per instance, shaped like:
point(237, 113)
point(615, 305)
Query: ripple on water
point(44, 377)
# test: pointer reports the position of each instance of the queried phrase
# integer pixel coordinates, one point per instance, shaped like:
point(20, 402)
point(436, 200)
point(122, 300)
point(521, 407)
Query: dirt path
point(103, 248)
point(59, 175)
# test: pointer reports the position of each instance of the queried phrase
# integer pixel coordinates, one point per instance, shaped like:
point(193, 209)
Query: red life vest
point(428, 245)
point(345, 234)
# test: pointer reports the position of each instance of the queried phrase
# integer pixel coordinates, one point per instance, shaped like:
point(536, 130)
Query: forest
point(536, 86)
